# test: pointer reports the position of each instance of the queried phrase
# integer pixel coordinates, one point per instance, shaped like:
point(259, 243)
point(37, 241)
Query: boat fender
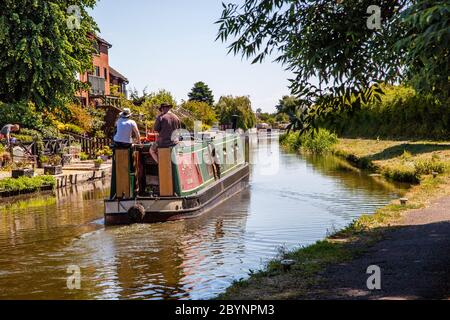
point(136, 213)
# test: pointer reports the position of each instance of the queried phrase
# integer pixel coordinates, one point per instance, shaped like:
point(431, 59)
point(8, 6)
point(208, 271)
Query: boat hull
point(162, 209)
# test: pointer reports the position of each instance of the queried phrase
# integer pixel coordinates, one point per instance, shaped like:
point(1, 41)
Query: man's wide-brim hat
point(165, 105)
point(126, 113)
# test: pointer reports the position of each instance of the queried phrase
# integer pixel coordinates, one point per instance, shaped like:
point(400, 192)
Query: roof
point(117, 74)
point(103, 41)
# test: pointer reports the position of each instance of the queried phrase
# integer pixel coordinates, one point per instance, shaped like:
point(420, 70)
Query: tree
point(427, 58)
point(229, 106)
point(148, 109)
point(201, 92)
point(265, 117)
point(202, 111)
point(338, 55)
point(287, 103)
point(138, 99)
point(294, 109)
point(43, 47)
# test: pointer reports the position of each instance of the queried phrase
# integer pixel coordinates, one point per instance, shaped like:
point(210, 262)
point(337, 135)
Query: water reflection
point(196, 258)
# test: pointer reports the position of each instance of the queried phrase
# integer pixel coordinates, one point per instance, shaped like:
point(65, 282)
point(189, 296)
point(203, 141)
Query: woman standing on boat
point(125, 128)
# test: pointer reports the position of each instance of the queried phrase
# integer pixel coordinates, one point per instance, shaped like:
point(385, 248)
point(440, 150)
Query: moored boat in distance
point(190, 179)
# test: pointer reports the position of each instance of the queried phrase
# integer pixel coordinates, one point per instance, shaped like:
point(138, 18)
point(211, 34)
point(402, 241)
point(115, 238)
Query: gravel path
point(414, 261)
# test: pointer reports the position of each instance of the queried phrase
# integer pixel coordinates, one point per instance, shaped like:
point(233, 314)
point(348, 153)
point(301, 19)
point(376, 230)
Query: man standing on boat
point(125, 129)
point(166, 123)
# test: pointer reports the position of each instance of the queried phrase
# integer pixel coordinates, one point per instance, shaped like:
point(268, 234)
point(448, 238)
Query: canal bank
point(409, 242)
point(74, 174)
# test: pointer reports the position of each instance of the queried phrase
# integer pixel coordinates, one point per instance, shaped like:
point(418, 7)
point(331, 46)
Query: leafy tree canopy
point(229, 106)
point(42, 49)
point(201, 92)
point(147, 109)
point(294, 109)
point(137, 98)
point(202, 111)
point(426, 46)
point(338, 61)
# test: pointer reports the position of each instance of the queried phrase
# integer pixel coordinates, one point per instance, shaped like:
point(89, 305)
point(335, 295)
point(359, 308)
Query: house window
point(97, 71)
point(106, 74)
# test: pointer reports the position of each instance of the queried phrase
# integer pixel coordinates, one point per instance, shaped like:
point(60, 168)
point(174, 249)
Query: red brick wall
point(102, 61)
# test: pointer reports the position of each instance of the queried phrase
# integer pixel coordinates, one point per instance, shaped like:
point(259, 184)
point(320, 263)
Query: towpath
point(414, 259)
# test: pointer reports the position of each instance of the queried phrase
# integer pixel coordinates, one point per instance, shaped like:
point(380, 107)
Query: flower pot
point(52, 170)
point(22, 173)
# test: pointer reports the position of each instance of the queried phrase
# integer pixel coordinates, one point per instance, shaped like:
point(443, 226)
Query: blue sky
point(171, 45)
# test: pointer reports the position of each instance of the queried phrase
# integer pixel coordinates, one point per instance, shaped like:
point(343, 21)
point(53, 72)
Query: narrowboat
point(189, 179)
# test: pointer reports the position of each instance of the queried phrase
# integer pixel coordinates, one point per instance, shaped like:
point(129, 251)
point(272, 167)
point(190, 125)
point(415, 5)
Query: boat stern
point(140, 210)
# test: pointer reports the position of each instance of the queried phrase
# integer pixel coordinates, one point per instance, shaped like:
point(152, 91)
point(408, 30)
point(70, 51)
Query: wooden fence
point(90, 145)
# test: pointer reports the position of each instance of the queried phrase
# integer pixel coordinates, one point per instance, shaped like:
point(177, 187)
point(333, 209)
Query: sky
point(171, 45)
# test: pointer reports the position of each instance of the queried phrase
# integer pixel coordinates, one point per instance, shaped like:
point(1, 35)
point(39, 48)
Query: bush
point(44, 160)
point(98, 119)
point(22, 113)
point(402, 173)
point(106, 151)
point(291, 141)
point(401, 114)
point(319, 142)
point(429, 166)
point(80, 117)
point(25, 184)
point(26, 116)
point(84, 156)
point(71, 128)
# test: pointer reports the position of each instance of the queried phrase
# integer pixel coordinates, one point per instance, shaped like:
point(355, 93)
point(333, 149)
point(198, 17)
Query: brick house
point(102, 78)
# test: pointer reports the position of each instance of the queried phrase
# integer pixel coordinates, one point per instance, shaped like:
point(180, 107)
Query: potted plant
point(98, 163)
point(52, 165)
point(22, 169)
point(105, 153)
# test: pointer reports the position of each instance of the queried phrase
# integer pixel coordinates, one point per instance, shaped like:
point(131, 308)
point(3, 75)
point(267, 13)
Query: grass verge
point(401, 161)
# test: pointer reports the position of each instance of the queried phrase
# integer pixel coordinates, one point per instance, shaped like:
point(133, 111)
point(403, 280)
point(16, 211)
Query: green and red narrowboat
point(190, 179)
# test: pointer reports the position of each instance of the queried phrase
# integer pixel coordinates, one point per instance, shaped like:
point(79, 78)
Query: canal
point(292, 201)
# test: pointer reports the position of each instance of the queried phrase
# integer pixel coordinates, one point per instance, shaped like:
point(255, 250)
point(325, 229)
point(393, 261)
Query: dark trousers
point(121, 145)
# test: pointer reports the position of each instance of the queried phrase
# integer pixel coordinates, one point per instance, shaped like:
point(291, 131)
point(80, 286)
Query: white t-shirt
point(125, 128)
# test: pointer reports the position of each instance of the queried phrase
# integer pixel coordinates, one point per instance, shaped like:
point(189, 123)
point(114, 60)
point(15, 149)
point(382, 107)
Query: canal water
point(291, 201)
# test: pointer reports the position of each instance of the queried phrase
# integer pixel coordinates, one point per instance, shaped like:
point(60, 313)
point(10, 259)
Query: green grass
point(309, 261)
point(396, 160)
point(26, 184)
